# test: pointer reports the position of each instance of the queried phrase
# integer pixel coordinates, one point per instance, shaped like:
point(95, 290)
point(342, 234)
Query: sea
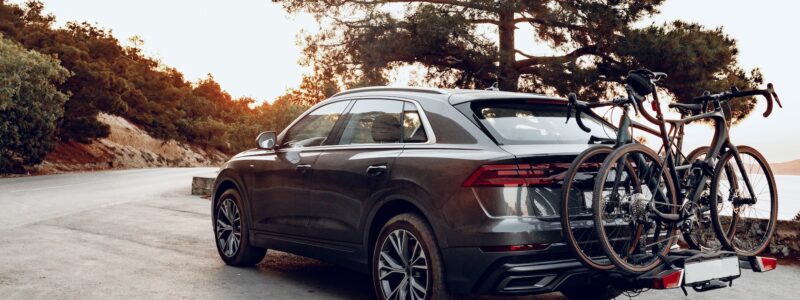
point(788, 196)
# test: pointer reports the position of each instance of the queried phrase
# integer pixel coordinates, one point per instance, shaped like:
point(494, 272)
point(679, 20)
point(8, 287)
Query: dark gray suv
point(433, 192)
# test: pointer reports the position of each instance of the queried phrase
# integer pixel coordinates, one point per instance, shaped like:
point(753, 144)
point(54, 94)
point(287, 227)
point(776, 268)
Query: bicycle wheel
point(700, 235)
point(744, 222)
point(622, 201)
point(577, 223)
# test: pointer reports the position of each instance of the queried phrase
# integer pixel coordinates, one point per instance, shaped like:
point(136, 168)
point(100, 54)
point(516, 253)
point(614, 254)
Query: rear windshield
point(521, 122)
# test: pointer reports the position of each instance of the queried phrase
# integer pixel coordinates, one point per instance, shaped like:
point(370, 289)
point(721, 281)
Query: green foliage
point(108, 77)
point(30, 105)
point(472, 44)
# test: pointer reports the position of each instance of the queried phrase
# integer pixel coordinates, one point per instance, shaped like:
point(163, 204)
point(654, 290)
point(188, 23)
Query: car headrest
point(386, 129)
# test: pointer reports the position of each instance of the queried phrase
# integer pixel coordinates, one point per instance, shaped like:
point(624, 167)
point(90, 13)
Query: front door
point(281, 179)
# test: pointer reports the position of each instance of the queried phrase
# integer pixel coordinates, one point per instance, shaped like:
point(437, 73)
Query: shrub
point(30, 105)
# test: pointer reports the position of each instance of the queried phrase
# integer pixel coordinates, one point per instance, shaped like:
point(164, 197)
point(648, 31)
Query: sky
point(250, 48)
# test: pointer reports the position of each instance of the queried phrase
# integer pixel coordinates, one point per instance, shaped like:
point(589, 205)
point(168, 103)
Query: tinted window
point(516, 122)
point(373, 122)
point(314, 128)
point(413, 130)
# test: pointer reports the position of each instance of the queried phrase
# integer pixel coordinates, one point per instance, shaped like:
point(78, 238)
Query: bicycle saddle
point(687, 108)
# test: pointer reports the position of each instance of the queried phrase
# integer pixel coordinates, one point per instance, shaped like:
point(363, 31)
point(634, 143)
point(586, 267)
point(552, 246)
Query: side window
point(413, 130)
point(313, 129)
point(373, 122)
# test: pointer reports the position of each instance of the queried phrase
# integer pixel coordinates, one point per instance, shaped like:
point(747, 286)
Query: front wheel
point(231, 232)
point(576, 208)
point(744, 221)
point(405, 261)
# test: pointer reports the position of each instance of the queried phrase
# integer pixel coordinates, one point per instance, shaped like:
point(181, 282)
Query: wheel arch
point(228, 179)
point(390, 207)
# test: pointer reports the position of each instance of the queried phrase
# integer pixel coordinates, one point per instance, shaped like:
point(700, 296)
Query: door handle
point(375, 170)
point(303, 168)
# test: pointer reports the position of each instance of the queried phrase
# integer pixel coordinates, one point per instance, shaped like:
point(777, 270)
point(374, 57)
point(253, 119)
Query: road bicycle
point(578, 181)
point(640, 200)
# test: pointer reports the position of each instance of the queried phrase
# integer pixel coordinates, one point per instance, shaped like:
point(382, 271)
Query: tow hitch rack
point(692, 268)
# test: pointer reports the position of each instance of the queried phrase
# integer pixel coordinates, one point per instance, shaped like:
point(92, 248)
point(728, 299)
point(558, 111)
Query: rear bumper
point(473, 271)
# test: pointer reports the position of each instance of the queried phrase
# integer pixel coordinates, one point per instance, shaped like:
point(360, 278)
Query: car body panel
point(328, 213)
point(340, 189)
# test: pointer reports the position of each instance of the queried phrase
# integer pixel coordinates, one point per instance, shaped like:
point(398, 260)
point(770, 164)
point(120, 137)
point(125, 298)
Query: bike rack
point(673, 274)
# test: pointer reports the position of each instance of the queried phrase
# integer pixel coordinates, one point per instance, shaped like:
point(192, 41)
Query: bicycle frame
point(720, 142)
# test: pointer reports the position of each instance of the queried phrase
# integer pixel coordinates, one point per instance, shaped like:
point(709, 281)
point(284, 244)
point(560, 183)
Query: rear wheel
point(623, 199)
point(231, 232)
point(744, 221)
point(576, 208)
point(405, 261)
point(700, 234)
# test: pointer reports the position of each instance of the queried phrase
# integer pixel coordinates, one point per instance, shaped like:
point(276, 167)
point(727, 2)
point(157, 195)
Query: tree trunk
point(508, 75)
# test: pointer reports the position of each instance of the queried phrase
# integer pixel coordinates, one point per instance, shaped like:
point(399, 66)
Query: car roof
point(453, 96)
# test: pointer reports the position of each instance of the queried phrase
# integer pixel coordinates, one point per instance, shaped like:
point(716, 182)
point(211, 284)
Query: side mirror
point(266, 140)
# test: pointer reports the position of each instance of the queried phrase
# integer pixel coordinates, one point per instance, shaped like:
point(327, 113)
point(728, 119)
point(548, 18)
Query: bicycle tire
point(734, 240)
point(600, 207)
point(583, 249)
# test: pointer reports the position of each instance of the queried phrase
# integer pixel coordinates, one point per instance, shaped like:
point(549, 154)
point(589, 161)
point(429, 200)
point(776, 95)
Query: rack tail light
point(668, 280)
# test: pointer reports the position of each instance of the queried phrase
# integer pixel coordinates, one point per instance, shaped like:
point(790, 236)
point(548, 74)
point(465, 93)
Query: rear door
point(348, 175)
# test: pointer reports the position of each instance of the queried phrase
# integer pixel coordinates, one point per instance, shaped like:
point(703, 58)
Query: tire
point(592, 293)
point(737, 231)
point(582, 241)
point(627, 215)
point(239, 253)
point(411, 233)
point(701, 234)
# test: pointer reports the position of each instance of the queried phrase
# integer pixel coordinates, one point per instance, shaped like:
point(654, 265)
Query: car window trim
point(423, 117)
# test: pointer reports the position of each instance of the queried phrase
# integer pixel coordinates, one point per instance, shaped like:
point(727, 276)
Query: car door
point(351, 173)
point(280, 188)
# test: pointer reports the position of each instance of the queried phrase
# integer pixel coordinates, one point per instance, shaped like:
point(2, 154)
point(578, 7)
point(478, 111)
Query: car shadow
point(316, 276)
point(320, 277)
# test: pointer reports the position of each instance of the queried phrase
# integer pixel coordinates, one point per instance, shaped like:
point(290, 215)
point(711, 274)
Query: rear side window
point(373, 122)
point(522, 122)
point(383, 122)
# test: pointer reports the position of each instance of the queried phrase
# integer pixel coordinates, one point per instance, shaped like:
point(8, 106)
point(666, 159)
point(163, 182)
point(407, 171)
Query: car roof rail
point(393, 89)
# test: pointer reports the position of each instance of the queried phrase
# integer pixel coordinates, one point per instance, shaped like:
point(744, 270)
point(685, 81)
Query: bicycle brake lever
point(572, 101)
point(771, 90)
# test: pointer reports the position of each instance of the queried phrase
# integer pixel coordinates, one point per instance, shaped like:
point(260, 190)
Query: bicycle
point(636, 228)
point(577, 227)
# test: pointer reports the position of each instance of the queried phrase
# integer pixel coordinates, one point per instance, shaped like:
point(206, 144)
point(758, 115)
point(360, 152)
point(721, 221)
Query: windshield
point(522, 122)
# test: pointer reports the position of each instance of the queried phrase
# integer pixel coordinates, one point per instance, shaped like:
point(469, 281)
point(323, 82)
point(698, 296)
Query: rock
point(202, 186)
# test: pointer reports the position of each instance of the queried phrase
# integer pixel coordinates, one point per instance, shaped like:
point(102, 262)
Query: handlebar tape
point(580, 122)
point(579, 107)
point(768, 93)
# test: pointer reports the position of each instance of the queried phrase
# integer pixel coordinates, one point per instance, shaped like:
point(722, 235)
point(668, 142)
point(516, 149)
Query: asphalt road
point(139, 234)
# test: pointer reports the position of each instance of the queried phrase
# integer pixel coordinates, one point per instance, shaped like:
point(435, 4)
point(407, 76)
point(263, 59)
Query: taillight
point(516, 175)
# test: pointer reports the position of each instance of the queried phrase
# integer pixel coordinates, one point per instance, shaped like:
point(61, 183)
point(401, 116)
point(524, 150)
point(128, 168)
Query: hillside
point(127, 146)
point(787, 168)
